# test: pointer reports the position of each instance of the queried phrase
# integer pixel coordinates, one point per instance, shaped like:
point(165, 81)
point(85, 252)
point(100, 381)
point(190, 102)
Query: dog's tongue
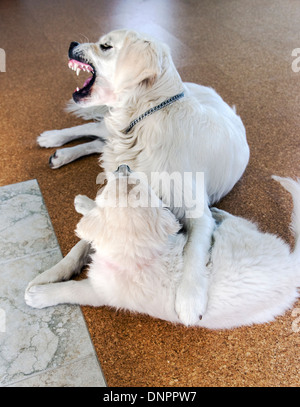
point(87, 81)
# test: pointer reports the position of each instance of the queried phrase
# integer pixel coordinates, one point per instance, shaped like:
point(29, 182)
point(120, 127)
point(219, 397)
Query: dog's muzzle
point(78, 62)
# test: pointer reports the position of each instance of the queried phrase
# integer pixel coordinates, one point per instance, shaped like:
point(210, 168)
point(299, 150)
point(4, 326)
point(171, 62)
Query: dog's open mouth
point(77, 65)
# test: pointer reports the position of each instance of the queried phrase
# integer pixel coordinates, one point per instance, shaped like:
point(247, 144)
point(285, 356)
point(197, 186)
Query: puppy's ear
point(169, 222)
point(139, 61)
point(90, 226)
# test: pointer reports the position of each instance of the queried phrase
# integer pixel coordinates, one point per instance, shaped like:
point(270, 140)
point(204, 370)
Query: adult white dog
point(137, 262)
point(156, 123)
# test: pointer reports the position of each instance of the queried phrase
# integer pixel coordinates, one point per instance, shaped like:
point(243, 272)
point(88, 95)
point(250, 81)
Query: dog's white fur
point(138, 264)
point(199, 133)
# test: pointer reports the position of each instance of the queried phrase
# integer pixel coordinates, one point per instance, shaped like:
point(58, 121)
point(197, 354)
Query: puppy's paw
point(190, 303)
point(50, 138)
point(38, 296)
point(83, 204)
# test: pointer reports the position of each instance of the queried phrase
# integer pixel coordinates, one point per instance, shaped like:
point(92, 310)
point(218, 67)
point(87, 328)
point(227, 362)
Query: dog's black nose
point(72, 46)
point(124, 169)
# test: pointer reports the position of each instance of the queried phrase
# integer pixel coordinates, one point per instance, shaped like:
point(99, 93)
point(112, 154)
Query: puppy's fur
point(198, 133)
point(138, 263)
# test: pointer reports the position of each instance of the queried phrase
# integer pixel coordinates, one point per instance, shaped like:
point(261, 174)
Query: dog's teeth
point(77, 71)
point(77, 89)
point(70, 64)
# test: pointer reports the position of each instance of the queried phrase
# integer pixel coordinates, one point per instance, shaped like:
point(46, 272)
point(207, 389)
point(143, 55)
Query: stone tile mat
point(81, 373)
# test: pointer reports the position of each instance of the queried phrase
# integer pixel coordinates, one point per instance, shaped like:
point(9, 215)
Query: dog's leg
point(57, 138)
point(191, 295)
point(67, 155)
point(71, 292)
point(67, 267)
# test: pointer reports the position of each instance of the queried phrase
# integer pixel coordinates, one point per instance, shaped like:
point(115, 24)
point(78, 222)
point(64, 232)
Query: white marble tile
point(82, 373)
point(25, 226)
point(33, 341)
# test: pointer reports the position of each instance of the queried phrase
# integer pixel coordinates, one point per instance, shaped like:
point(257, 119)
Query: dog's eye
point(105, 47)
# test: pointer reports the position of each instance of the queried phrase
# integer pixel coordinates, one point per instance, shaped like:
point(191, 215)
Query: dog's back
point(254, 277)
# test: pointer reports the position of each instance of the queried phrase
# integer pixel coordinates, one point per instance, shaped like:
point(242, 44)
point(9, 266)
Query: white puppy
point(157, 124)
point(137, 262)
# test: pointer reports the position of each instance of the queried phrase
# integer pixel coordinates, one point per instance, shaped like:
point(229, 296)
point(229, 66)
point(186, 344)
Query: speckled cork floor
point(242, 48)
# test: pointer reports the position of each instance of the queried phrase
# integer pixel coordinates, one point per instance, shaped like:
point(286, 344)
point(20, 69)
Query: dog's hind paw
point(218, 214)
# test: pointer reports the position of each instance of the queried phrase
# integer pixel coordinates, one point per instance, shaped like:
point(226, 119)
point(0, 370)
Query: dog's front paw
point(57, 159)
point(190, 303)
point(38, 296)
point(50, 138)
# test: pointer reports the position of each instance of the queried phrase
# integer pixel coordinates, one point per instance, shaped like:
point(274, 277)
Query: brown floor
point(243, 49)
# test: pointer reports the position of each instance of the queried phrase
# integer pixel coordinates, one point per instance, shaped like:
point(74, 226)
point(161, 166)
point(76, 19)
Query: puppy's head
point(119, 61)
point(129, 219)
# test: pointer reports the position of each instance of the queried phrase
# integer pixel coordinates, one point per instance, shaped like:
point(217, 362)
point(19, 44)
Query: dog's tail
point(293, 187)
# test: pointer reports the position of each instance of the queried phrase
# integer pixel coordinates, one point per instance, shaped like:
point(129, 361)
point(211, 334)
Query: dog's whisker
point(85, 37)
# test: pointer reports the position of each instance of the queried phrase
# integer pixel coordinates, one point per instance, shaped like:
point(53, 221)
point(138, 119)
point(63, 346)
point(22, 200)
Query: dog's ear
point(90, 226)
point(139, 61)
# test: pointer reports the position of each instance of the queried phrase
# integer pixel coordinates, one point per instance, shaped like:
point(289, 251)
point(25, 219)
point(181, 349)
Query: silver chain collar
point(153, 110)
